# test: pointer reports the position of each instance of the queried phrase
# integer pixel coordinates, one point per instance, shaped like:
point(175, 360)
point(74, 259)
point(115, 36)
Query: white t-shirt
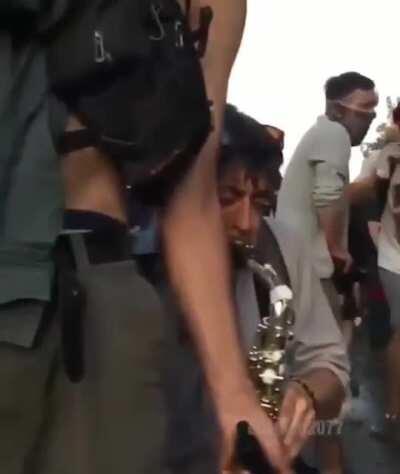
point(388, 246)
point(315, 177)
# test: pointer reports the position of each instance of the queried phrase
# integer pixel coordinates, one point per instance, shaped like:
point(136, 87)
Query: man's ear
point(336, 111)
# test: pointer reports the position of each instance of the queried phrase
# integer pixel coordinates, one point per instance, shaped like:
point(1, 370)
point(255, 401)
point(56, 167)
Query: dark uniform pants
point(114, 420)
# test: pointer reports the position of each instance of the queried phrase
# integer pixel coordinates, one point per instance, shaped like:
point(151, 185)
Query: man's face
point(358, 112)
point(244, 199)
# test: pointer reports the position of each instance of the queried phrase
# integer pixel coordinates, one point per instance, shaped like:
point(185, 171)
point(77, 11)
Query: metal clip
point(179, 42)
point(100, 53)
point(155, 10)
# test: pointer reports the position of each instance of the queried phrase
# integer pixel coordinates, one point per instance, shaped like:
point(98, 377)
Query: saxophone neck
point(280, 294)
point(279, 291)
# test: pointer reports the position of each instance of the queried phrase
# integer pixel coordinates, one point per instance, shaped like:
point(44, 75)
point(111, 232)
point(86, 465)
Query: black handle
point(72, 302)
point(249, 454)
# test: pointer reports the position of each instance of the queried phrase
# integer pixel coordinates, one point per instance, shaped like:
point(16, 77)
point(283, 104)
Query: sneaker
point(355, 411)
point(387, 429)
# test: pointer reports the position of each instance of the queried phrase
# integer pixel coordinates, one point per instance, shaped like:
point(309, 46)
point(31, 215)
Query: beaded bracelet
point(307, 389)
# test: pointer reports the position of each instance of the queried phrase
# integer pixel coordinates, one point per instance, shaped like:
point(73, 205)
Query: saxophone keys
point(270, 376)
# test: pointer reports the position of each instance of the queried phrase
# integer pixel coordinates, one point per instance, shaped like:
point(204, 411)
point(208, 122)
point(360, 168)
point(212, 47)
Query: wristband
point(307, 389)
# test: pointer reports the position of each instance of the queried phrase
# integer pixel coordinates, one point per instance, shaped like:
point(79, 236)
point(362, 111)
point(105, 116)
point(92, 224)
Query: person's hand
point(388, 158)
point(296, 419)
point(342, 260)
point(374, 229)
point(245, 407)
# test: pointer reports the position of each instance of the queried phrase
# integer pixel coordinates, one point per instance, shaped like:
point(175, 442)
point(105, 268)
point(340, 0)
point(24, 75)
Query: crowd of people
point(126, 181)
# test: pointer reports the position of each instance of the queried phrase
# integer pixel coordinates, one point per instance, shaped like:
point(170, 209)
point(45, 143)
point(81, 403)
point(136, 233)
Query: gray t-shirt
point(315, 178)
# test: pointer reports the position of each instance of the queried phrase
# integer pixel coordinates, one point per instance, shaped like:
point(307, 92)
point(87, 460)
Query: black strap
point(262, 295)
point(71, 304)
point(270, 251)
point(200, 36)
point(76, 140)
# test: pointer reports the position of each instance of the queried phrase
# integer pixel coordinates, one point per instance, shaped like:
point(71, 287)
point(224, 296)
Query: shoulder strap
point(200, 36)
point(270, 251)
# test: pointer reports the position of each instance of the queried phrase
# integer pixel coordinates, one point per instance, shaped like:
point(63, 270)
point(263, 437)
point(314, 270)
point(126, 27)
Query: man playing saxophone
point(248, 177)
point(317, 364)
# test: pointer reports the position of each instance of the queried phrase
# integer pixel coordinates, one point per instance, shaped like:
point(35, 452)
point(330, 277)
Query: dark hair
point(247, 143)
point(338, 87)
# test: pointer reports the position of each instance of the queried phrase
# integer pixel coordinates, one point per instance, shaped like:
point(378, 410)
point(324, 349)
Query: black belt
point(100, 247)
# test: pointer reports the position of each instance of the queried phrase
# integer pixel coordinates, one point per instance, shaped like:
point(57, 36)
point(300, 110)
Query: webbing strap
point(76, 140)
point(79, 251)
point(200, 36)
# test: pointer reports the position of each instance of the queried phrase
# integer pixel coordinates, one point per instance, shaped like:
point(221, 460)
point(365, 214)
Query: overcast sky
point(291, 47)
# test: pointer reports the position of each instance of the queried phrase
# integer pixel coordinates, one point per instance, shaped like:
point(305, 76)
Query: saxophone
point(266, 358)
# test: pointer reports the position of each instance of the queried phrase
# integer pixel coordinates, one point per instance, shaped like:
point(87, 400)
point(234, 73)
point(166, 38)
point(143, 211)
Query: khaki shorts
point(333, 298)
point(391, 287)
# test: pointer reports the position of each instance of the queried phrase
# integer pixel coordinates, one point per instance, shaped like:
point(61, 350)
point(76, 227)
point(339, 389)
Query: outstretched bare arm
point(196, 253)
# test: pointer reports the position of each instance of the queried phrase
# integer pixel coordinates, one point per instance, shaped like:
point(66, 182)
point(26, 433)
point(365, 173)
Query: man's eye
point(263, 203)
point(264, 206)
point(226, 198)
point(227, 201)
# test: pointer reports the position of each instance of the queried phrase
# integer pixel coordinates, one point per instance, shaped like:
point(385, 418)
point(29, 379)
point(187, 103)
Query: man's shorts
point(333, 298)
point(391, 286)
